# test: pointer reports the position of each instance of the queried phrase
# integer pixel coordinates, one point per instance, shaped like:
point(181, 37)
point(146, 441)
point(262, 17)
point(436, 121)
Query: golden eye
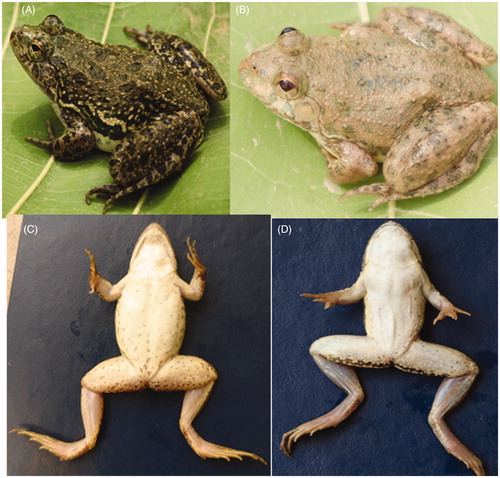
point(290, 85)
point(38, 50)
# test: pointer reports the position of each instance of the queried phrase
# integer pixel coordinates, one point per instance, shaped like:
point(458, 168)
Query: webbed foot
point(63, 450)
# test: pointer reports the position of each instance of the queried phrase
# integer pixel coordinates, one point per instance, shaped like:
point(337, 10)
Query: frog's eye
point(38, 50)
point(287, 30)
point(52, 25)
point(290, 85)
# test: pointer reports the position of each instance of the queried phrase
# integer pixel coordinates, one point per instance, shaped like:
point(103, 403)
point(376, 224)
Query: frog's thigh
point(114, 375)
point(433, 359)
point(355, 350)
point(183, 372)
point(441, 149)
point(156, 151)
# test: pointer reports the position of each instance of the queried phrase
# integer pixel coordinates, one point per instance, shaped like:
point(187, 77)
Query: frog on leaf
point(147, 108)
point(407, 90)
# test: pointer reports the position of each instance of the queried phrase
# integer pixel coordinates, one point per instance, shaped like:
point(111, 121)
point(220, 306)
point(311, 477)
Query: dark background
point(388, 434)
point(57, 332)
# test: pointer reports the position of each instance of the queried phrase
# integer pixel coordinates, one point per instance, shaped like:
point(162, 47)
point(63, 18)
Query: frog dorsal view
point(406, 90)
point(149, 325)
point(394, 288)
point(147, 108)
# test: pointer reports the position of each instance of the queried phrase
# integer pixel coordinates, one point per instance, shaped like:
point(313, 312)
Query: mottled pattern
point(146, 107)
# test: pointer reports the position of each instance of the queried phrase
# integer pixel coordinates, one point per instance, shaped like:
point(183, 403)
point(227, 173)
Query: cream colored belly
point(150, 323)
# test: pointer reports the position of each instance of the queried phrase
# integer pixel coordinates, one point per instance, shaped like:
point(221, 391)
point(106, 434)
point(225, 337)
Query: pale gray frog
point(150, 323)
point(407, 90)
point(394, 288)
point(147, 108)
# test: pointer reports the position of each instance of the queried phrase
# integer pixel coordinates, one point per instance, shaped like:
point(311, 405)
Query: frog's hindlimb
point(422, 161)
point(328, 359)
point(92, 410)
point(171, 138)
point(460, 372)
point(197, 377)
point(181, 52)
point(421, 26)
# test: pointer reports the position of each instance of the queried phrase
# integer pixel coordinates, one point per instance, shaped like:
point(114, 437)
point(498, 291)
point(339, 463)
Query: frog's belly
point(150, 323)
point(105, 143)
point(394, 322)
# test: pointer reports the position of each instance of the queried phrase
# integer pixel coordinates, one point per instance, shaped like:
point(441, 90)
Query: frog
point(394, 287)
point(146, 108)
point(406, 90)
point(150, 321)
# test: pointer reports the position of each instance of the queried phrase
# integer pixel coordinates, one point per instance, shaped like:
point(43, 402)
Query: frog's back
point(383, 83)
point(400, 71)
point(150, 323)
point(116, 88)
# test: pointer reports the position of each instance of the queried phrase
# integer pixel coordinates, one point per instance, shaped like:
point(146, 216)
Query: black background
point(388, 434)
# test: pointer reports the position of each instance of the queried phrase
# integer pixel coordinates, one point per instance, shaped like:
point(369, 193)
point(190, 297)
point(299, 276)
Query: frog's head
point(391, 243)
point(277, 75)
point(153, 251)
point(38, 50)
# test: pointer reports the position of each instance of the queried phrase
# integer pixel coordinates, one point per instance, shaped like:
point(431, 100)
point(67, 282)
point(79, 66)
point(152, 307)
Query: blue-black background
point(388, 434)
point(57, 332)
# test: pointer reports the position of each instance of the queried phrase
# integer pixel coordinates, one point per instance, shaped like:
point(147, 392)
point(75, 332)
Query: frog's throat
point(398, 229)
point(154, 235)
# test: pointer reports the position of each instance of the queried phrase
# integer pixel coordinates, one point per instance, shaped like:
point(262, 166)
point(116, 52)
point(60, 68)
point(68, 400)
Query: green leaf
point(202, 188)
point(277, 168)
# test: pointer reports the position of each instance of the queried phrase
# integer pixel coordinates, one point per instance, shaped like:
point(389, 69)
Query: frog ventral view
point(393, 321)
point(150, 323)
point(407, 89)
point(147, 108)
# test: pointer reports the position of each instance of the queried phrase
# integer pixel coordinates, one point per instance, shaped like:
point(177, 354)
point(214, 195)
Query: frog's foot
point(193, 402)
point(92, 410)
point(460, 372)
point(343, 376)
point(139, 35)
point(450, 394)
point(111, 190)
point(63, 450)
point(376, 189)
